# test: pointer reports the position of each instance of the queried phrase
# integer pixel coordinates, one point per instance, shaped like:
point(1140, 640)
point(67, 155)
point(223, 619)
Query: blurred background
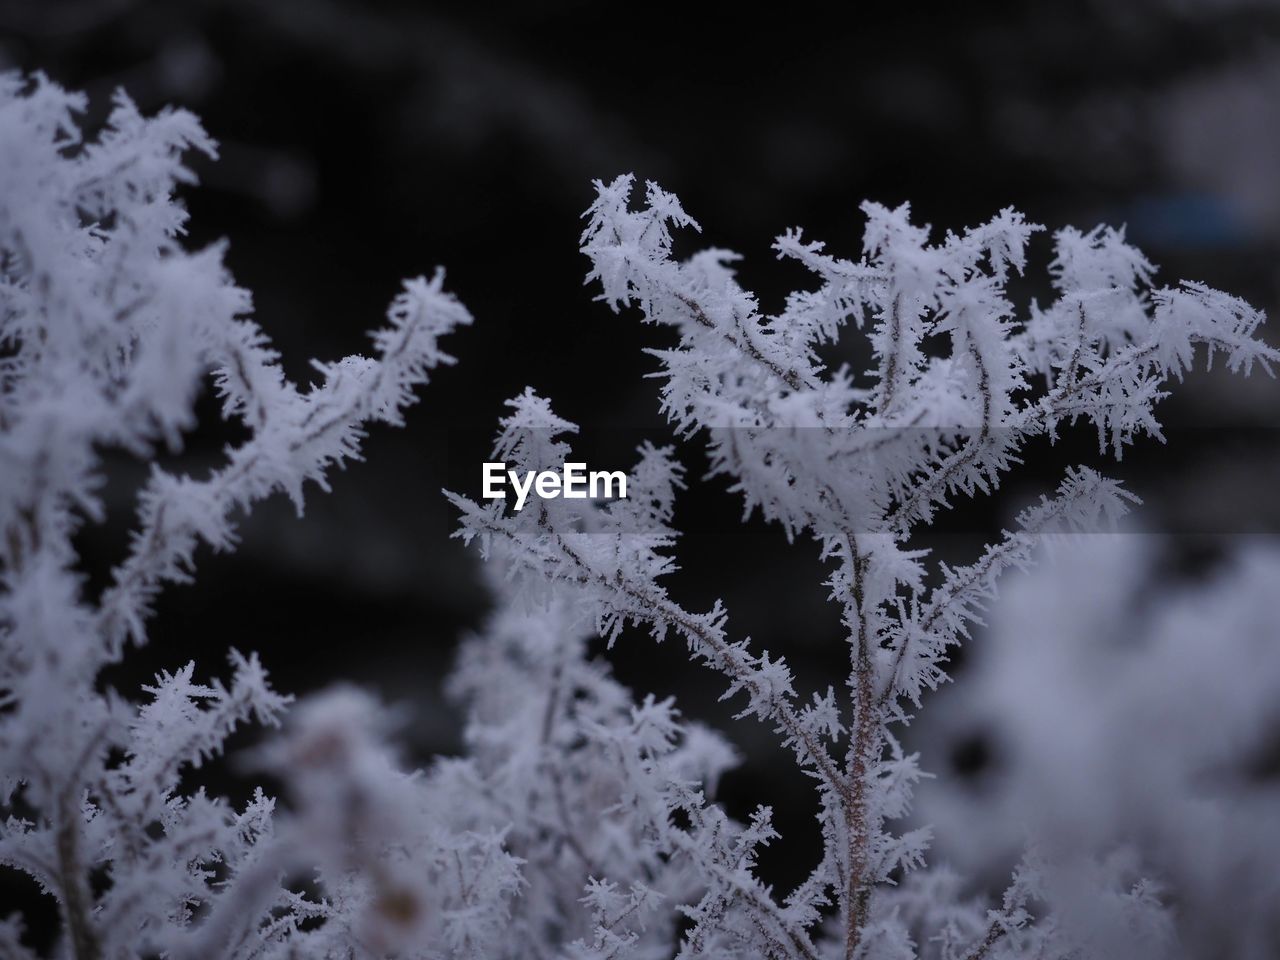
point(363, 141)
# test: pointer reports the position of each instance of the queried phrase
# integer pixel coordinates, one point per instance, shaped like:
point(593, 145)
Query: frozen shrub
point(862, 462)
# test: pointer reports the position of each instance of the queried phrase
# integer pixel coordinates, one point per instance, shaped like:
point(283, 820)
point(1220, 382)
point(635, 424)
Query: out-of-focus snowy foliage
point(1133, 719)
point(606, 797)
point(108, 327)
point(862, 461)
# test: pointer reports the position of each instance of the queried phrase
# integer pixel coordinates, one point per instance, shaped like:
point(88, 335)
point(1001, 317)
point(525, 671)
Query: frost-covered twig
point(863, 463)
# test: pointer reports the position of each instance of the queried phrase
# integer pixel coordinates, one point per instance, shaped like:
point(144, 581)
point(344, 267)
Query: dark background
point(364, 141)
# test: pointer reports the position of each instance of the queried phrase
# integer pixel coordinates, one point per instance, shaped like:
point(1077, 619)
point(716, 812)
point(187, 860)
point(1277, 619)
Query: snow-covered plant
point(108, 329)
point(862, 462)
point(582, 823)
